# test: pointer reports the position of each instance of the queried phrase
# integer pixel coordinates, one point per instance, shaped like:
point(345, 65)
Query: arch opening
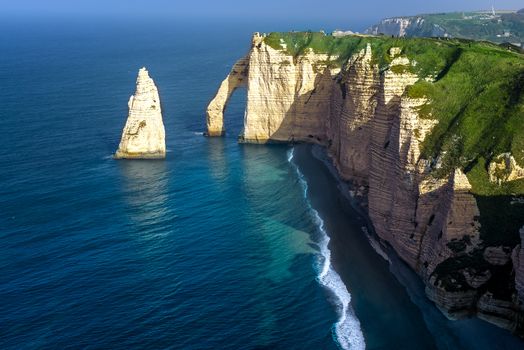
point(238, 77)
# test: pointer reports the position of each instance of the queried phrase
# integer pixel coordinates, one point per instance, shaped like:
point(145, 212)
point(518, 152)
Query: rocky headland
point(429, 132)
point(143, 136)
point(492, 25)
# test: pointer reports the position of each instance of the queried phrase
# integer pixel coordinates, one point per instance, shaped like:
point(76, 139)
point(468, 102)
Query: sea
point(219, 246)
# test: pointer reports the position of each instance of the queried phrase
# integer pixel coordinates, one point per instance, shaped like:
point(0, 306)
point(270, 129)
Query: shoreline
point(347, 331)
point(468, 333)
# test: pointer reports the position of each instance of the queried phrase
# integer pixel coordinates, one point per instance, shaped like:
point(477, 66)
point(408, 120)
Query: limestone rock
point(143, 136)
point(395, 51)
point(353, 105)
point(215, 111)
point(392, 26)
point(476, 279)
point(285, 95)
point(505, 168)
point(517, 258)
point(454, 304)
point(374, 134)
point(499, 312)
point(497, 256)
point(406, 26)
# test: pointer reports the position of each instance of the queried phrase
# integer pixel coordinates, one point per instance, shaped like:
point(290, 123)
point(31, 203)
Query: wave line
point(347, 332)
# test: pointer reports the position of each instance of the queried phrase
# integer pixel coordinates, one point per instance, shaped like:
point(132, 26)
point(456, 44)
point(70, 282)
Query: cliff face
point(143, 136)
point(504, 168)
point(215, 110)
point(406, 26)
point(374, 132)
point(290, 92)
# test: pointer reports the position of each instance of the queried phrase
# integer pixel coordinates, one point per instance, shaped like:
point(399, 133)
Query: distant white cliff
point(407, 26)
point(143, 136)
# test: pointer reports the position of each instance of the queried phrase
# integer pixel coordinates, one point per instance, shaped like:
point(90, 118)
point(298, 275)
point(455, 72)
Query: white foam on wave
point(347, 331)
point(290, 155)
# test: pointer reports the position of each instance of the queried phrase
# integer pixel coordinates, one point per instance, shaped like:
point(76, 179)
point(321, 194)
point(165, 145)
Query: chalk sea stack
point(143, 136)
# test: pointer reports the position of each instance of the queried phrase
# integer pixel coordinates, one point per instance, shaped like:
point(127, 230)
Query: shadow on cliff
point(364, 142)
point(501, 214)
point(305, 120)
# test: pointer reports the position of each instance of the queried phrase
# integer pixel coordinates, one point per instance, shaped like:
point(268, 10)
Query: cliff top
point(295, 43)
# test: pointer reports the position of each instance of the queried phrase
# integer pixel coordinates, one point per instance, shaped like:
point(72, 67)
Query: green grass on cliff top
point(475, 90)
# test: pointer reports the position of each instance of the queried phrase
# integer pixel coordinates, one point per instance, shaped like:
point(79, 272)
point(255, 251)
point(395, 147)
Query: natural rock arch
point(215, 110)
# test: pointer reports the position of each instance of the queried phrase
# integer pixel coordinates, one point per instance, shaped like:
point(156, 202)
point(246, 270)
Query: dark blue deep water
point(219, 246)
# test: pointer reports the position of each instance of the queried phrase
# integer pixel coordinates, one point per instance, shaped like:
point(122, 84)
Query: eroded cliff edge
point(143, 136)
point(406, 120)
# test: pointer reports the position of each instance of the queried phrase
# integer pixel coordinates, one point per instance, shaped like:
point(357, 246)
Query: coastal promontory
point(143, 136)
point(430, 132)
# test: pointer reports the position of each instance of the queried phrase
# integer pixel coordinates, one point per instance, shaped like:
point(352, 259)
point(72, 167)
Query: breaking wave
point(346, 331)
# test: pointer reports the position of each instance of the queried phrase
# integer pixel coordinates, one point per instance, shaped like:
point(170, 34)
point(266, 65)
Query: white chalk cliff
point(374, 134)
point(406, 26)
point(143, 136)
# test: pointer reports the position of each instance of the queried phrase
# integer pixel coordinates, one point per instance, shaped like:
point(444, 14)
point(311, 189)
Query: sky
point(246, 9)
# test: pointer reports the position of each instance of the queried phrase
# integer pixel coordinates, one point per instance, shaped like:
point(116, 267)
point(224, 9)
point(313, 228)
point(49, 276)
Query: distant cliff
point(432, 134)
point(498, 27)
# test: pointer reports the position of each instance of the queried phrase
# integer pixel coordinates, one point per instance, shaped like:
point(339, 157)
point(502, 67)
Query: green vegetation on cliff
point(476, 92)
point(430, 54)
point(474, 89)
point(477, 98)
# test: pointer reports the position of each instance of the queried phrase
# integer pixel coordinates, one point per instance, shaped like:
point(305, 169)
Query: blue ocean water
point(219, 246)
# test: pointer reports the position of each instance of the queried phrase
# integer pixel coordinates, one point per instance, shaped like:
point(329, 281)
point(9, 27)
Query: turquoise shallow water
point(218, 246)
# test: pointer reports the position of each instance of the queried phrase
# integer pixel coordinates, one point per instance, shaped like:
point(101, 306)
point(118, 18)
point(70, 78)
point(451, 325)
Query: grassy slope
point(476, 91)
point(476, 28)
